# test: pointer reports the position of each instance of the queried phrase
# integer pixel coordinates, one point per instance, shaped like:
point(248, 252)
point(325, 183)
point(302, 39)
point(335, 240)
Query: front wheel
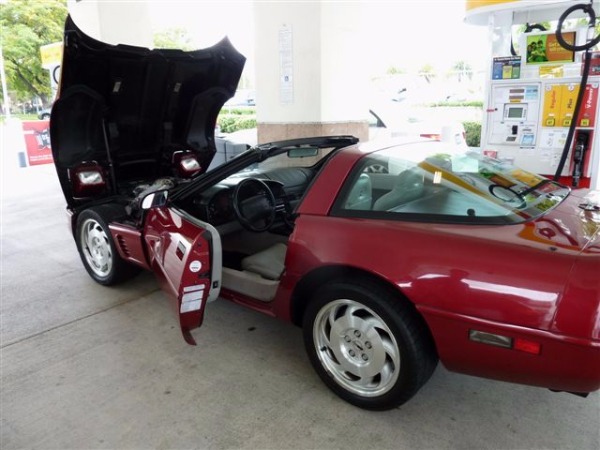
point(97, 248)
point(368, 346)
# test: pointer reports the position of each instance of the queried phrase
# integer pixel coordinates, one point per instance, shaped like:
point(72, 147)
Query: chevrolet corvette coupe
point(448, 256)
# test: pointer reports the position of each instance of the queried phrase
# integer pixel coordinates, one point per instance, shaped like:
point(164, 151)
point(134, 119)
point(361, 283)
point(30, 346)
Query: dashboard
point(215, 205)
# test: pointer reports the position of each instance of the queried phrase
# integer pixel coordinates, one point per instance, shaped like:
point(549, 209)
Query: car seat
point(408, 186)
point(268, 263)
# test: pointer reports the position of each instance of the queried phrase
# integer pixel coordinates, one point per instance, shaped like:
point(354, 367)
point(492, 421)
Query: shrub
point(228, 123)
point(473, 133)
point(238, 110)
point(470, 103)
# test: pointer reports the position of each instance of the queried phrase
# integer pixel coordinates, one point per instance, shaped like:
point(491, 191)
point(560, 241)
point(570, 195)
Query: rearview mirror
point(303, 152)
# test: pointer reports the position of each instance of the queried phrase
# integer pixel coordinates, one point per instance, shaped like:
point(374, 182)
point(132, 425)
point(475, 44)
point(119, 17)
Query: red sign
point(37, 141)
point(587, 114)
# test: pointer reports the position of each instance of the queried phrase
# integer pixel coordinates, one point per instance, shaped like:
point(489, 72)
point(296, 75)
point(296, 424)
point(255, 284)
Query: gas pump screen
point(513, 112)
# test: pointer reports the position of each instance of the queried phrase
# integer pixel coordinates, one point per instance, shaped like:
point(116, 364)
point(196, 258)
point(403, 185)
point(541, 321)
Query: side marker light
point(498, 340)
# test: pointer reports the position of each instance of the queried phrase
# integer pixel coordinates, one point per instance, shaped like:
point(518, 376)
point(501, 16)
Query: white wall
point(329, 73)
point(115, 22)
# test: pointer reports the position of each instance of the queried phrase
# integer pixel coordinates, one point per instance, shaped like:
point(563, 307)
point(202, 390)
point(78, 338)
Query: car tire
point(367, 344)
point(97, 249)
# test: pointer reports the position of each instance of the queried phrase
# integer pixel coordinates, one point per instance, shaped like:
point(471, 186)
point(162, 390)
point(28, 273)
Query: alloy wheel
point(356, 347)
point(96, 248)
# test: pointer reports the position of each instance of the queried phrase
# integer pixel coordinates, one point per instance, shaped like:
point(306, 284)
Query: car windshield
point(426, 182)
point(303, 159)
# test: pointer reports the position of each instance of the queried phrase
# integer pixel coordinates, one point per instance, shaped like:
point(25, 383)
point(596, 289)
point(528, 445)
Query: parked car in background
point(449, 255)
point(390, 120)
point(44, 114)
point(242, 97)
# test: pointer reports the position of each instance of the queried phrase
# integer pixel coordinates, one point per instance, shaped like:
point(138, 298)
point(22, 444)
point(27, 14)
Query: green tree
point(173, 38)
point(462, 69)
point(427, 72)
point(393, 70)
point(24, 27)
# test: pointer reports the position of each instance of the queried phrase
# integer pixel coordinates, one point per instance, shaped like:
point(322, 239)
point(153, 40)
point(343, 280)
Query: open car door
point(185, 255)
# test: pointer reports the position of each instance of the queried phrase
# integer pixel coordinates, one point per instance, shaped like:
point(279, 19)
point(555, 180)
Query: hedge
point(470, 103)
point(228, 123)
point(242, 120)
point(473, 133)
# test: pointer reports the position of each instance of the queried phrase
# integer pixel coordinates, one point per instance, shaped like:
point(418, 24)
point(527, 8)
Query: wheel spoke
point(392, 351)
point(387, 372)
point(89, 238)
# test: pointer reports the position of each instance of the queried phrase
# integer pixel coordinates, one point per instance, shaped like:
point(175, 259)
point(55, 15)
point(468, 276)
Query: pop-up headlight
point(87, 180)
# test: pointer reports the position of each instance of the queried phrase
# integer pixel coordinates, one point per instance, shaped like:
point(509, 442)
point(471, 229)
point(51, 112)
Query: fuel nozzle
point(579, 151)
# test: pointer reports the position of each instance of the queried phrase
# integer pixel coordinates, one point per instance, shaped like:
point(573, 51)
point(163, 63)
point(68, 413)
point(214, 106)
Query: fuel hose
point(589, 10)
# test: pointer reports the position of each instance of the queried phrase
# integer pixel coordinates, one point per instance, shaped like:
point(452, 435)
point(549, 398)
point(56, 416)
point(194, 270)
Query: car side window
point(437, 188)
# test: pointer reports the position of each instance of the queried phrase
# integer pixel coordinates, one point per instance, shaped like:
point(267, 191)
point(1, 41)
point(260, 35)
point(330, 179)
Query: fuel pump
point(583, 139)
point(542, 96)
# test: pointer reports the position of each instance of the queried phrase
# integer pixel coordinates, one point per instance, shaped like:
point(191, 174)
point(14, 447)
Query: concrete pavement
point(83, 366)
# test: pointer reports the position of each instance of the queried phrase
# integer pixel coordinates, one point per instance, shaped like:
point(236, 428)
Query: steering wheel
point(509, 196)
point(254, 204)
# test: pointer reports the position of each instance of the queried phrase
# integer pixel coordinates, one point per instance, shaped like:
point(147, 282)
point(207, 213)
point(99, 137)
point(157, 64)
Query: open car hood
point(130, 109)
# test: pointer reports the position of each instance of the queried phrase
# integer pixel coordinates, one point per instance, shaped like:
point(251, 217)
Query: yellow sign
point(51, 54)
point(478, 12)
point(553, 71)
point(567, 107)
point(552, 102)
point(474, 4)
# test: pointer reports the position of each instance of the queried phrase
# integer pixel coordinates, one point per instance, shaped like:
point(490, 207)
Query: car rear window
point(429, 183)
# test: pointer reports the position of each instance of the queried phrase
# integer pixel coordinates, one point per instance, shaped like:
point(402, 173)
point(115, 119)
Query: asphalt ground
point(85, 366)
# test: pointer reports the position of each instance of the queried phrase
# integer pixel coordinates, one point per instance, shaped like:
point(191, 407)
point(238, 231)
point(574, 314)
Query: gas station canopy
point(478, 12)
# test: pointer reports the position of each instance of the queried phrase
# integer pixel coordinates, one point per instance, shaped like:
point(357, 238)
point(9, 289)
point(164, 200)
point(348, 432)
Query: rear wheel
point(368, 346)
point(97, 248)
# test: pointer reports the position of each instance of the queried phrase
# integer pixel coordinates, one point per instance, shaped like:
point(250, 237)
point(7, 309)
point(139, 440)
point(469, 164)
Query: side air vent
point(123, 245)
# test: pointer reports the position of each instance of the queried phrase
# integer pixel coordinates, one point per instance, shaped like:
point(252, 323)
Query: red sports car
point(449, 255)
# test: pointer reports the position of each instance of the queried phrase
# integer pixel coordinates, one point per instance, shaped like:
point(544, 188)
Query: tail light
point(186, 163)
point(87, 180)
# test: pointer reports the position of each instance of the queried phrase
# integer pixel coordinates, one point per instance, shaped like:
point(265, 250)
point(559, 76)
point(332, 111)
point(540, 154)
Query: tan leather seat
point(409, 185)
point(268, 263)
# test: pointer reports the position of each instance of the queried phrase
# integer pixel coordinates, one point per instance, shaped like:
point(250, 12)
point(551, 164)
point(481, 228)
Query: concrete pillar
point(311, 75)
point(114, 22)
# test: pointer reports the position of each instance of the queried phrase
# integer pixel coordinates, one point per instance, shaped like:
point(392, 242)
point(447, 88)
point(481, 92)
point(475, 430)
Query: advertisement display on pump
point(541, 110)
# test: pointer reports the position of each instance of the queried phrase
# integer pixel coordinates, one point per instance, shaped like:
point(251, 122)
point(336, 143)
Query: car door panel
point(185, 255)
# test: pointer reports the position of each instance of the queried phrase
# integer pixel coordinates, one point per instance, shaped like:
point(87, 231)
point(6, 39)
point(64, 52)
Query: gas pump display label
point(531, 93)
point(587, 115)
point(552, 102)
point(568, 100)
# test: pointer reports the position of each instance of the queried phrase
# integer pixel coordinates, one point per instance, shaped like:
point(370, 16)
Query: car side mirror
point(154, 199)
